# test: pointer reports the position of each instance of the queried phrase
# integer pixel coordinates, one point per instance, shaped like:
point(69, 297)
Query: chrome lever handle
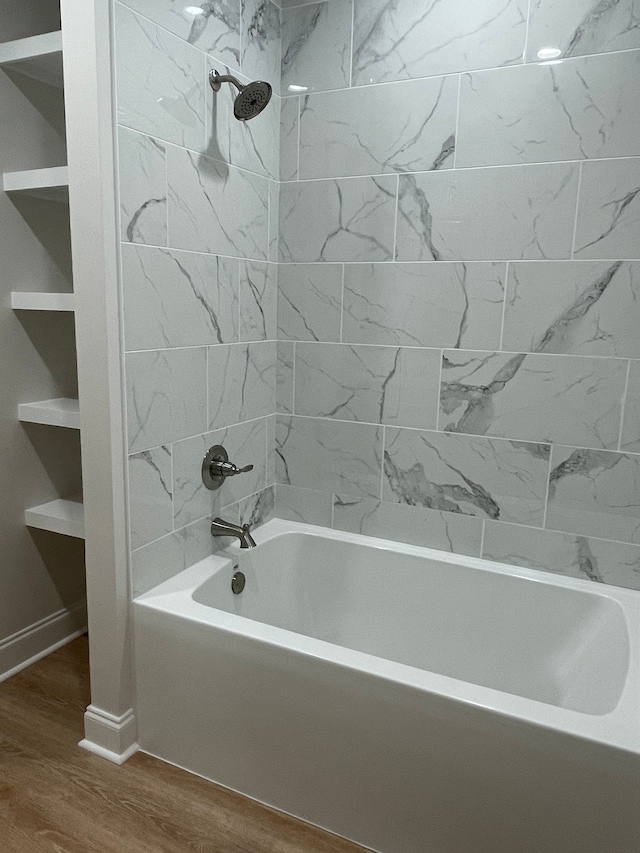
point(228, 469)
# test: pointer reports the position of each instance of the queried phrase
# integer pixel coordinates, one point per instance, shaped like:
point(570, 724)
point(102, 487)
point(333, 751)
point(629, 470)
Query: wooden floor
point(57, 798)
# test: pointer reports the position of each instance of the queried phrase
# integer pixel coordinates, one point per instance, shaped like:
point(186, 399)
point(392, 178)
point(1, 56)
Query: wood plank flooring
point(57, 798)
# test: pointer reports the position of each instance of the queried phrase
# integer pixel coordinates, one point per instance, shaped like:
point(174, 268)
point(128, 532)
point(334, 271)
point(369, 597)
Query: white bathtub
point(411, 700)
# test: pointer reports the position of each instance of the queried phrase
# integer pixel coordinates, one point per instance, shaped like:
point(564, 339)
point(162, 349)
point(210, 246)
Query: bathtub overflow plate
point(237, 583)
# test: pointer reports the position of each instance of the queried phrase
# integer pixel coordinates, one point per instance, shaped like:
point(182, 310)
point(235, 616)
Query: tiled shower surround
point(199, 223)
point(459, 289)
point(453, 285)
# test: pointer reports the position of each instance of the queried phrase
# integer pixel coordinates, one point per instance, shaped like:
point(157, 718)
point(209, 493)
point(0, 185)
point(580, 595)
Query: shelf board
point(26, 301)
point(63, 412)
point(66, 517)
point(39, 57)
point(51, 183)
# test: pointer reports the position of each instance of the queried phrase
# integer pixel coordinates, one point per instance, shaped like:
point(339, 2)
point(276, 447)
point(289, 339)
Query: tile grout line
point(353, 27)
point(439, 394)
point(504, 305)
point(382, 452)
point(623, 406)
point(394, 253)
point(575, 222)
point(434, 348)
point(526, 34)
point(344, 266)
point(293, 379)
point(299, 122)
point(457, 131)
point(547, 490)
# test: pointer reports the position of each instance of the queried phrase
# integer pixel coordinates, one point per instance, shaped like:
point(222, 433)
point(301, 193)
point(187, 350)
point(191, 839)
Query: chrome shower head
point(252, 98)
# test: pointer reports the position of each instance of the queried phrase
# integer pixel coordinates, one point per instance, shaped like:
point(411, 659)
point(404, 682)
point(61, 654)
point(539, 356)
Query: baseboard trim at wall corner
point(35, 642)
point(109, 736)
point(113, 757)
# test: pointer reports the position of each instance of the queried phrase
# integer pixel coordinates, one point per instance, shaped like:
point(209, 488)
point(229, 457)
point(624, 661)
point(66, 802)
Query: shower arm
point(216, 80)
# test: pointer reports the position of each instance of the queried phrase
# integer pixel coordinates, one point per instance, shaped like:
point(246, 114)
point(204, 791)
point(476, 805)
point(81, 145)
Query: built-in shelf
point(66, 517)
point(39, 57)
point(63, 412)
point(25, 301)
point(51, 183)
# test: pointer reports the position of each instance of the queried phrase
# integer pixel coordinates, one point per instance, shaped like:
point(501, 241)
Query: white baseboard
point(31, 644)
point(110, 737)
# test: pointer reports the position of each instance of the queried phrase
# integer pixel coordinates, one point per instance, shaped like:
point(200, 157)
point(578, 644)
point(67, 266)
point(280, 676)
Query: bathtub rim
point(618, 728)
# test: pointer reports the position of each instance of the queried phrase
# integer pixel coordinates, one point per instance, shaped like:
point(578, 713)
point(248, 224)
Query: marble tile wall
point(199, 195)
point(458, 361)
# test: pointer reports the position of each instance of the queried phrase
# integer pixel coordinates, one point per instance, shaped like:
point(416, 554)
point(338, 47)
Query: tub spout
point(219, 527)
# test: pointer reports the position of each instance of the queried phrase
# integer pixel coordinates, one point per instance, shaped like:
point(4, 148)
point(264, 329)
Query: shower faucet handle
point(228, 469)
point(216, 467)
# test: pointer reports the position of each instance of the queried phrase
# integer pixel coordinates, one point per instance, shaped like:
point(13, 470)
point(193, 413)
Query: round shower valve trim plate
point(216, 467)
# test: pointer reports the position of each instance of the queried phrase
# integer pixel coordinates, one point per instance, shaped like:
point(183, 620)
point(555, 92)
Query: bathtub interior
point(564, 647)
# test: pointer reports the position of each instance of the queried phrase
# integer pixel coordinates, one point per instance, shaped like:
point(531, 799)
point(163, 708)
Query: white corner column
point(110, 727)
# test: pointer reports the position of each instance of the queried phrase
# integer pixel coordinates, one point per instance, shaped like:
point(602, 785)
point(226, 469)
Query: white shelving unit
point(59, 516)
point(27, 301)
point(63, 412)
point(51, 184)
point(39, 57)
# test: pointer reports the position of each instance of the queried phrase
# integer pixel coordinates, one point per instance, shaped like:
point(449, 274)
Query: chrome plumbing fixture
point(253, 97)
point(216, 467)
point(220, 527)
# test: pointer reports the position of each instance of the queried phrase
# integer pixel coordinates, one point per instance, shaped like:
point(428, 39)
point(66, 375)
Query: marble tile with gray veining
point(242, 383)
point(309, 302)
point(403, 39)
point(387, 385)
point(253, 145)
point(316, 46)
point(143, 188)
point(329, 455)
point(304, 505)
point(579, 27)
point(426, 304)
point(563, 554)
point(341, 220)
point(578, 307)
point(174, 298)
point(261, 41)
point(150, 495)
point(414, 525)
point(259, 508)
point(211, 25)
point(608, 224)
point(533, 397)
point(284, 377)
point(595, 493)
point(402, 127)
point(578, 110)
point(630, 439)
point(166, 396)
point(289, 114)
point(487, 214)
point(163, 559)
point(258, 301)
point(216, 208)
point(502, 480)
point(245, 444)
point(159, 80)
